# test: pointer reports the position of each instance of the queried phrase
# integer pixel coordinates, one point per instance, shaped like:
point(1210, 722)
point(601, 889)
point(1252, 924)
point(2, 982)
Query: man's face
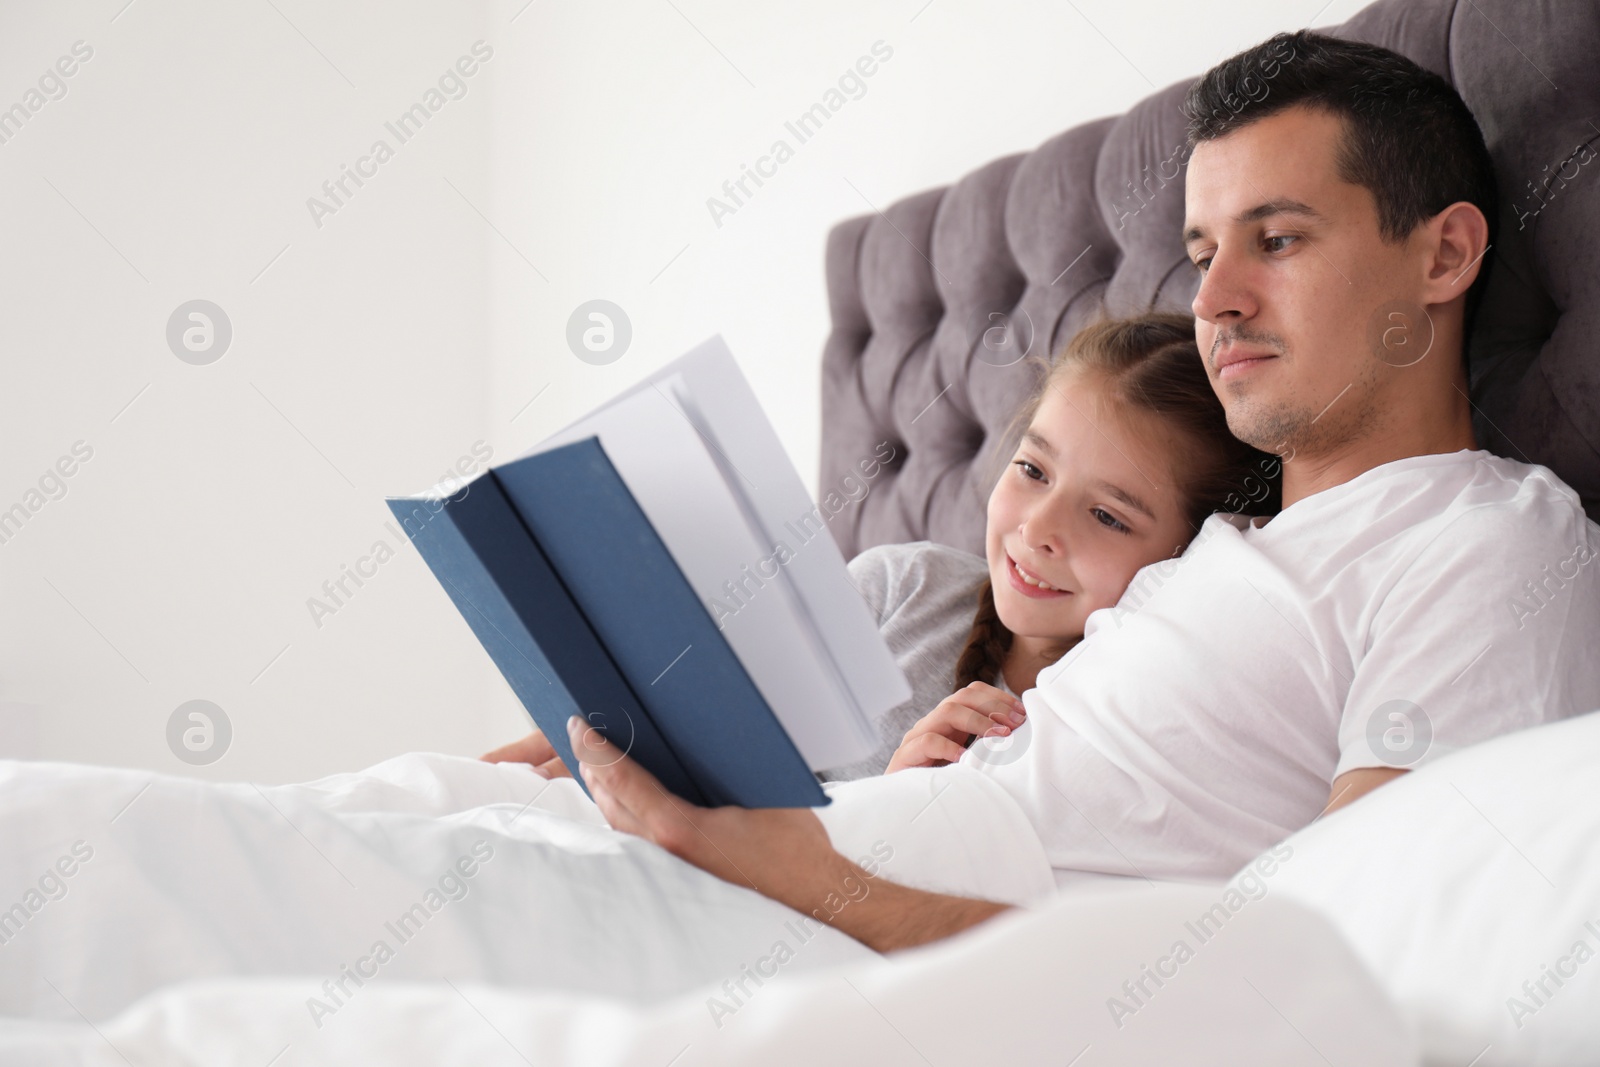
point(1294, 271)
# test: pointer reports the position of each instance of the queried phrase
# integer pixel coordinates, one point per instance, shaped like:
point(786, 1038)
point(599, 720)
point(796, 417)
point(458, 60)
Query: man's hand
point(1351, 786)
point(535, 750)
point(782, 853)
point(941, 736)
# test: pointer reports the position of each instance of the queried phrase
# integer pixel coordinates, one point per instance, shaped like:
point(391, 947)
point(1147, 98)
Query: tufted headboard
point(934, 301)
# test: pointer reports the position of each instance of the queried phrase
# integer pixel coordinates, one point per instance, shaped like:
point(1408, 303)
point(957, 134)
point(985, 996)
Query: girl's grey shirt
point(924, 596)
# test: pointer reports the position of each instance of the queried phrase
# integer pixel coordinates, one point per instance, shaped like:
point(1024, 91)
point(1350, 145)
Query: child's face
point(1089, 498)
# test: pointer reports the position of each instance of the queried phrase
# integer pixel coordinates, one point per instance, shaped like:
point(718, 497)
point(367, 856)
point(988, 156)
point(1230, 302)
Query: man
point(1413, 596)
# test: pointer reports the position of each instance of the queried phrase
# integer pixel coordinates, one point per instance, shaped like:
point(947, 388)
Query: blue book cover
point(575, 597)
point(516, 606)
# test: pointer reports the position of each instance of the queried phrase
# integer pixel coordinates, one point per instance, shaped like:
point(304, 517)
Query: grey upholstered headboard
point(933, 302)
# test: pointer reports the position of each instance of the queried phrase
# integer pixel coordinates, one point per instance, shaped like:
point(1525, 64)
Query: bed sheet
point(1033, 987)
point(435, 909)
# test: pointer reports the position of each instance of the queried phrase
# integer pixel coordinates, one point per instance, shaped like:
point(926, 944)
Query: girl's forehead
point(1082, 425)
point(1080, 409)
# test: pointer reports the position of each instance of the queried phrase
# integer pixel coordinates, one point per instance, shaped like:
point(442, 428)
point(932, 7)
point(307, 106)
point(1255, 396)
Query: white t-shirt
point(1426, 605)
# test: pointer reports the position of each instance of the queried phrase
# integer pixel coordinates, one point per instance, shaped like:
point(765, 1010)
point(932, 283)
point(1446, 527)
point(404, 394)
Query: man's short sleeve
point(1493, 626)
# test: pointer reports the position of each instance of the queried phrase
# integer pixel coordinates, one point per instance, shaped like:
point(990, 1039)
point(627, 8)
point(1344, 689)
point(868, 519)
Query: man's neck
point(1305, 474)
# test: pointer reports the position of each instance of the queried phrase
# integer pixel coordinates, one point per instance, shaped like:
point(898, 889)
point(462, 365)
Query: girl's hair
point(1151, 364)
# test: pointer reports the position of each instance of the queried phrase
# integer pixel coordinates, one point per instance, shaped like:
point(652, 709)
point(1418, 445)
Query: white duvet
point(438, 910)
point(461, 869)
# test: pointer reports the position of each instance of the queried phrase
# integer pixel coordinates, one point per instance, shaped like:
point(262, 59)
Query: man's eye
point(1029, 470)
point(1286, 237)
point(1202, 265)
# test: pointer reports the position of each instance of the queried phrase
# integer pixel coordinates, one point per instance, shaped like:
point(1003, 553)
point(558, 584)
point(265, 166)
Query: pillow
point(1471, 888)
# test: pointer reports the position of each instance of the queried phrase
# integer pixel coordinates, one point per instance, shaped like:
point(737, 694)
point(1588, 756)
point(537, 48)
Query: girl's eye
point(1029, 470)
point(1105, 518)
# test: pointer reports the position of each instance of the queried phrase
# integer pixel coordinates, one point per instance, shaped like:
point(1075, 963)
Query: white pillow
point(1471, 888)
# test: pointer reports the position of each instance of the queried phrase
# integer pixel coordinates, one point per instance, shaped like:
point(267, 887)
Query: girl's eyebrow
point(1037, 441)
point(1034, 438)
point(1127, 498)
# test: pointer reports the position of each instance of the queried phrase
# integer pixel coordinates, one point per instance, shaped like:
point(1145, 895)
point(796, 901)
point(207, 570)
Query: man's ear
point(1457, 239)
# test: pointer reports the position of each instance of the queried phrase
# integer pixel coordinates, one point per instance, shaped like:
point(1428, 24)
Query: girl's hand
point(942, 735)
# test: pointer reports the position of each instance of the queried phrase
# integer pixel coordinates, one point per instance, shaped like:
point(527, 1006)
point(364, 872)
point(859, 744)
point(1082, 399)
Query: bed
point(438, 910)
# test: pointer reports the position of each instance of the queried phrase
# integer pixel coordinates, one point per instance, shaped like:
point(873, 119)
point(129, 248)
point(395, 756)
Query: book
point(659, 568)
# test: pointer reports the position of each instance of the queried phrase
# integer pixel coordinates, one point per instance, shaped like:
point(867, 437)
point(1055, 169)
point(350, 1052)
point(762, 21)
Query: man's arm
point(1353, 785)
point(782, 853)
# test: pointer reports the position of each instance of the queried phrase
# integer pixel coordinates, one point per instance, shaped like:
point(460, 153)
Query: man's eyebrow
point(1127, 498)
point(1259, 212)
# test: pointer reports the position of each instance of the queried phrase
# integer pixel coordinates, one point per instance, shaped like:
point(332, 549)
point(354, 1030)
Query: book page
point(708, 471)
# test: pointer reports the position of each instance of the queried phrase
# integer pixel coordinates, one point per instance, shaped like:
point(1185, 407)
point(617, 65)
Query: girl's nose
point(1037, 534)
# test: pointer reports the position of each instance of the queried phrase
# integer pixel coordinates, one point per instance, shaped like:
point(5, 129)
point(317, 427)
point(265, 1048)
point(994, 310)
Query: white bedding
point(191, 880)
point(205, 923)
point(1471, 887)
point(1281, 989)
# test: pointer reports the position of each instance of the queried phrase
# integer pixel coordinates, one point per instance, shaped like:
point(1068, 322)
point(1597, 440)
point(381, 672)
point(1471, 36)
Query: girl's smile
point(1037, 587)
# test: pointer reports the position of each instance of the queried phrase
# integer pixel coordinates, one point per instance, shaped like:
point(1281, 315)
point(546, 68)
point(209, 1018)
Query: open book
point(659, 568)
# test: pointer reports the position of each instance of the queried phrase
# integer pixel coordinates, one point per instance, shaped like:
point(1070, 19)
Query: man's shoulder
point(1509, 504)
point(1485, 513)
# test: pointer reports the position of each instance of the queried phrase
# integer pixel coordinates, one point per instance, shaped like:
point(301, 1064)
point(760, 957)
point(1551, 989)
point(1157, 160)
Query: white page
point(707, 385)
point(672, 476)
point(709, 388)
point(799, 627)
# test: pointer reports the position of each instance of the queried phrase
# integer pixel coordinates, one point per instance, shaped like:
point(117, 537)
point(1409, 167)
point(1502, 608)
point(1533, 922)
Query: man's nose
point(1226, 294)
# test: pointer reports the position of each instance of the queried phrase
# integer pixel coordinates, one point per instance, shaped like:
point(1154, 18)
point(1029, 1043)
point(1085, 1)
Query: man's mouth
point(1233, 361)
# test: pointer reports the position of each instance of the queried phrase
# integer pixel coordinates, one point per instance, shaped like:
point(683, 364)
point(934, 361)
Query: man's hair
point(1409, 137)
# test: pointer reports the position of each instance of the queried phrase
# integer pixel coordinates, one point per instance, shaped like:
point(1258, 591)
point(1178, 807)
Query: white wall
point(424, 314)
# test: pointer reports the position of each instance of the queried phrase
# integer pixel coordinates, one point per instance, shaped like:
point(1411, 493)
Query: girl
point(1126, 451)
